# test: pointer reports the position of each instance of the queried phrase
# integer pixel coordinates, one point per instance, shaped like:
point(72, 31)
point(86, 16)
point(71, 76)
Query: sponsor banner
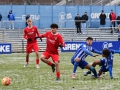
point(73, 46)
point(5, 48)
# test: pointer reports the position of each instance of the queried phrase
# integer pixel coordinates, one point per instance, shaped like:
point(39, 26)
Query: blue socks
point(94, 71)
point(75, 67)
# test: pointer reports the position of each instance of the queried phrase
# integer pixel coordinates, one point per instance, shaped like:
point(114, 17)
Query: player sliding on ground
point(105, 63)
point(83, 51)
point(30, 33)
point(53, 41)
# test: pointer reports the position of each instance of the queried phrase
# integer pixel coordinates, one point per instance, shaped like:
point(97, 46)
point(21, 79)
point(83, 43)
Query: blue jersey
point(107, 63)
point(83, 51)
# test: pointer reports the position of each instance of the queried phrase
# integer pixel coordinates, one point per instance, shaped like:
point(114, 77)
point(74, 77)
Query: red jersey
point(53, 41)
point(31, 33)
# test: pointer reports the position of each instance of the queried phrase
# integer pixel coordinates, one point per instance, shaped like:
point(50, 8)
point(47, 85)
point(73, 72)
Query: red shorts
point(55, 57)
point(32, 46)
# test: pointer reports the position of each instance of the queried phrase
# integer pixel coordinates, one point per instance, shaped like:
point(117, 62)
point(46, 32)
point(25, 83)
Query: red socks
point(27, 60)
point(58, 74)
point(37, 61)
point(49, 63)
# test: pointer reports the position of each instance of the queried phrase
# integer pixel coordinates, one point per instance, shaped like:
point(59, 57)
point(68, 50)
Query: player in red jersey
point(53, 41)
point(30, 34)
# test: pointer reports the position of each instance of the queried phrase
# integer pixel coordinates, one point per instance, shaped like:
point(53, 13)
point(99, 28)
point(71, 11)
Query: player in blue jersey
point(105, 63)
point(83, 51)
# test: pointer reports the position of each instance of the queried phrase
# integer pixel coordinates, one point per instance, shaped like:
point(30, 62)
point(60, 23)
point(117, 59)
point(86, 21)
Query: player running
point(53, 41)
point(83, 51)
point(105, 63)
point(30, 33)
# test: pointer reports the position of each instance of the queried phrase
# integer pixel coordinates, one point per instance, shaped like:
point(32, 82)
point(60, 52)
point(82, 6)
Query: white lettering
point(4, 48)
point(96, 15)
point(33, 17)
point(71, 46)
point(7, 49)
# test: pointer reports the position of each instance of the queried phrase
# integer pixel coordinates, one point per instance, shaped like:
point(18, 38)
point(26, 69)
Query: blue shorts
point(82, 63)
point(72, 60)
point(103, 66)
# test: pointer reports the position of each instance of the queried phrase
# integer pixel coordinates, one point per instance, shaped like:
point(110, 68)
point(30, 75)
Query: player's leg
point(76, 63)
point(36, 50)
point(27, 59)
point(55, 59)
point(28, 51)
point(44, 57)
point(96, 62)
point(99, 73)
point(91, 68)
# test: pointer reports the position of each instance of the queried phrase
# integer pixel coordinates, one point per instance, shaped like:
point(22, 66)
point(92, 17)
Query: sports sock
point(94, 71)
point(49, 63)
point(58, 74)
point(37, 61)
point(27, 60)
point(75, 67)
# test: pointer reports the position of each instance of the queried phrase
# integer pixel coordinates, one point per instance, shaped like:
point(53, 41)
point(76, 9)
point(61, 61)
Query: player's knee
point(42, 57)
point(72, 61)
point(56, 63)
point(95, 62)
point(37, 55)
point(77, 60)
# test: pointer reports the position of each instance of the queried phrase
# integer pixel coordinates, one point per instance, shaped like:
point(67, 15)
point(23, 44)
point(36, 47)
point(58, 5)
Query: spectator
point(27, 17)
point(11, 18)
point(78, 23)
point(118, 18)
point(119, 32)
point(0, 19)
point(84, 18)
point(102, 19)
point(112, 17)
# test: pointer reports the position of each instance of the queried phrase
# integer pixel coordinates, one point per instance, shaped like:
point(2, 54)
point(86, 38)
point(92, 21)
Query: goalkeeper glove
point(60, 46)
point(37, 38)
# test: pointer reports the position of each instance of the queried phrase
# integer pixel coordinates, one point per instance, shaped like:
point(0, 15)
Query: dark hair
point(89, 38)
point(102, 10)
point(53, 25)
point(106, 52)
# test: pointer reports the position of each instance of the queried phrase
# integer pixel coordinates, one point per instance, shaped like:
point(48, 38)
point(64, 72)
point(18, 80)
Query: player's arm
point(86, 51)
point(43, 35)
point(96, 51)
point(61, 42)
point(110, 71)
point(25, 34)
point(38, 35)
point(115, 51)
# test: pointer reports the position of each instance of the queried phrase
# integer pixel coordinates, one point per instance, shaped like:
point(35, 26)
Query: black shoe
point(58, 79)
point(53, 68)
point(88, 72)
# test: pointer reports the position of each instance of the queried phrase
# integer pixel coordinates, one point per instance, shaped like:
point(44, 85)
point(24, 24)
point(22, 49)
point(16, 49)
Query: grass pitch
point(30, 78)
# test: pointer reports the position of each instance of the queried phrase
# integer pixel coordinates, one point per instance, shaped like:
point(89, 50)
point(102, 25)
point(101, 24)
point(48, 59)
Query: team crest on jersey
point(55, 38)
point(32, 29)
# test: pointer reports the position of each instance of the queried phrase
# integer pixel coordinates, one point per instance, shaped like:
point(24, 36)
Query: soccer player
point(105, 63)
point(30, 34)
point(83, 51)
point(53, 41)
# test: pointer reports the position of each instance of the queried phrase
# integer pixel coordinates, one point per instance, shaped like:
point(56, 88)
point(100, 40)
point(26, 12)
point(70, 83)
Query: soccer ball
point(6, 81)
